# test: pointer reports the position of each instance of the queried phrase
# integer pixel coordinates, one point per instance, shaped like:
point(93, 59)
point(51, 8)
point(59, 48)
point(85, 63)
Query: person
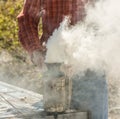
point(52, 13)
point(93, 95)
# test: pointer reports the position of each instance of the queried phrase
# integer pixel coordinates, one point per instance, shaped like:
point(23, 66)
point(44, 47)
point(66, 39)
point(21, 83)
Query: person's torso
point(56, 10)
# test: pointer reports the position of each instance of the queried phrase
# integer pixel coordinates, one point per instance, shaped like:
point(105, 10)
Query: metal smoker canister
point(57, 89)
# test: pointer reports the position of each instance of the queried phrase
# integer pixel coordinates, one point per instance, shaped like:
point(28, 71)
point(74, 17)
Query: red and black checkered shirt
point(52, 13)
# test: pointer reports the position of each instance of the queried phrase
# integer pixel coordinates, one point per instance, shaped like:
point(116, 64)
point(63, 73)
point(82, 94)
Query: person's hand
point(37, 58)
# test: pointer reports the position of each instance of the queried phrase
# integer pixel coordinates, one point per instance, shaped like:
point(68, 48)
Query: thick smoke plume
point(92, 44)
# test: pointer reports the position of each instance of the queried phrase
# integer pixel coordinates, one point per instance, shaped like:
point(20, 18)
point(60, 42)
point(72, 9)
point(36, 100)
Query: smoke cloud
point(92, 44)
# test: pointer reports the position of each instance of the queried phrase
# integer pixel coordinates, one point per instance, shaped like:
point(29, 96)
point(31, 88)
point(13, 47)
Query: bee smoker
point(83, 96)
point(57, 94)
point(57, 89)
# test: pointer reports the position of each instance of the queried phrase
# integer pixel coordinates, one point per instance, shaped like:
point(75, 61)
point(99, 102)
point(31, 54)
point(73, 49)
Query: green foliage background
point(9, 9)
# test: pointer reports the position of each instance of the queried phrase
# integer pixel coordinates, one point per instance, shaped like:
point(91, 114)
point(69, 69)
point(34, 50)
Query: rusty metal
point(57, 95)
point(57, 89)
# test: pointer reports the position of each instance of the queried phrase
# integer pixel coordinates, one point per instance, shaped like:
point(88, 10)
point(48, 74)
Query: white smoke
point(93, 44)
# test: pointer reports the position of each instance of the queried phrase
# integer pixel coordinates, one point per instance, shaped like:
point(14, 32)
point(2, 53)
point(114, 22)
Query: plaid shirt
point(52, 13)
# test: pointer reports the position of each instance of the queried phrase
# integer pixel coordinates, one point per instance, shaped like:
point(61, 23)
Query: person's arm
point(28, 21)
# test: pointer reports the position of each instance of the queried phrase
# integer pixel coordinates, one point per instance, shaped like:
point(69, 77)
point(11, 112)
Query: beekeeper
point(91, 95)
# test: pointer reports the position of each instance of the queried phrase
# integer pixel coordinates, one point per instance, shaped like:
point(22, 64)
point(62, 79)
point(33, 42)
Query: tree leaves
point(9, 9)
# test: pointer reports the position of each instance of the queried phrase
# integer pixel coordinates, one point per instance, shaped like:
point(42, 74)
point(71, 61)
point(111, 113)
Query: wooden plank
point(77, 115)
point(16, 102)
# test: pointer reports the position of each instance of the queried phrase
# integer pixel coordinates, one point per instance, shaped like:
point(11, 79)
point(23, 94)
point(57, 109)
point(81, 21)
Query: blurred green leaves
point(9, 9)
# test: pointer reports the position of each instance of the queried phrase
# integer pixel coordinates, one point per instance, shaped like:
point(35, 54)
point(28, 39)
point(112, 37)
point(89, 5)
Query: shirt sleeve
point(28, 21)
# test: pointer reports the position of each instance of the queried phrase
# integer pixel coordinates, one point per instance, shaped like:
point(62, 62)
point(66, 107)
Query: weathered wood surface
point(16, 102)
point(77, 115)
